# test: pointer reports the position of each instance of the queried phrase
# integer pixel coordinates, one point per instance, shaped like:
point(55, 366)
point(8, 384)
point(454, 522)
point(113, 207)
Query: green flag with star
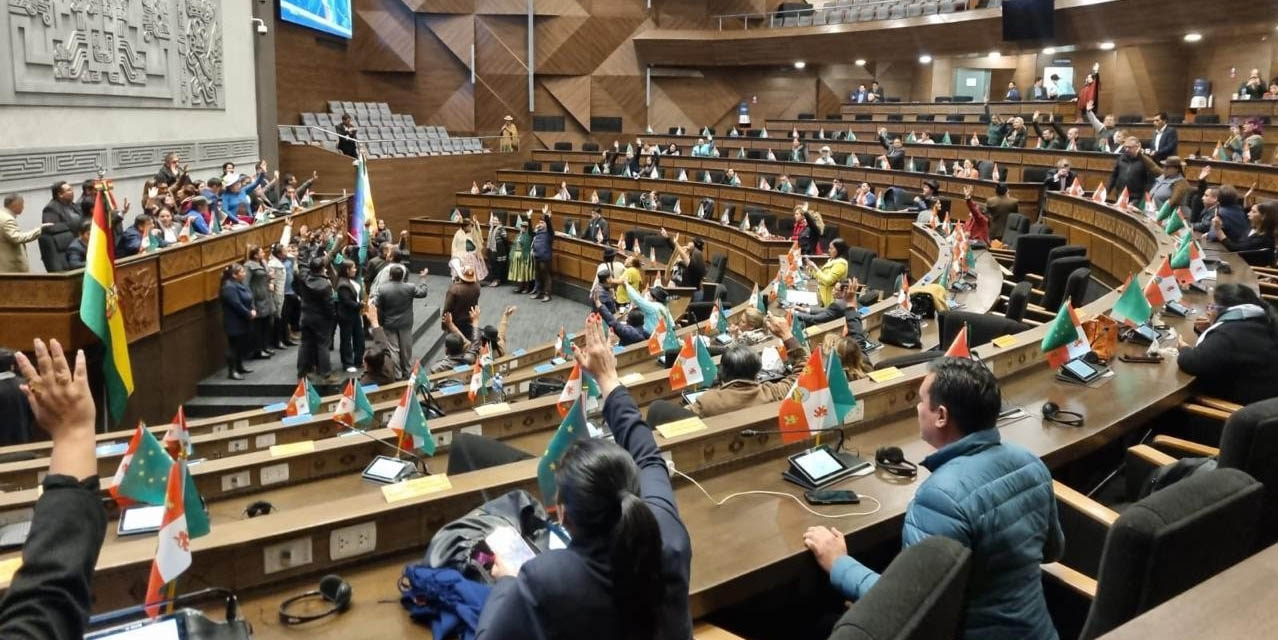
point(147, 477)
point(572, 428)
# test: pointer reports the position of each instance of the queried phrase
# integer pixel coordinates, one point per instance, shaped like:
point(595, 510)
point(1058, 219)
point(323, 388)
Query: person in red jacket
point(1090, 93)
point(978, 224)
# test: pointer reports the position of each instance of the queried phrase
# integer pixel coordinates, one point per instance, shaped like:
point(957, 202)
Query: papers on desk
point(796, 296)
point(884, 375)
point(492, 409)
point(631, 379)
point(416, 487)
point(681, 427)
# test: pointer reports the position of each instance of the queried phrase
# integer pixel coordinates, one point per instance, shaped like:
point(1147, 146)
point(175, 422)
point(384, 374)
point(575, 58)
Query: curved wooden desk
point(170, 303)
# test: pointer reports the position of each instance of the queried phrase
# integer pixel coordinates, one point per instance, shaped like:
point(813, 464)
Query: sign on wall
point(142, 53)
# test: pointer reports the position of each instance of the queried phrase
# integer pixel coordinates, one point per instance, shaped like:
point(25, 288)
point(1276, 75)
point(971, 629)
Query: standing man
point(509, 135)
point(1013, 94)
point(319, 315)
point(999, 207)
point(171, 171)
point(1133, 170)
point(1165, 138)
point(994, 497)
point(395, 308)
point(63, 219)
point(461, 297)
point(13, 241)
point(543, 249)
point(347, 128)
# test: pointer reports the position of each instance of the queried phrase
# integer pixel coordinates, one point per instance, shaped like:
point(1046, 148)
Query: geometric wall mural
point(154, 53)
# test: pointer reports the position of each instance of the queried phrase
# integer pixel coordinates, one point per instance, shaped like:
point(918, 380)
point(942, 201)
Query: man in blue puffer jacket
point(994, 497)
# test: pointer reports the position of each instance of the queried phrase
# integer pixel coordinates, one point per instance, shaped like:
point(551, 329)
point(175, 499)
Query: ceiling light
point(1193, 37)
point(995, 54)
point(860, 62)
point(925, 59)
point(1049, 51)
point(1106, 46)
point(799, 64)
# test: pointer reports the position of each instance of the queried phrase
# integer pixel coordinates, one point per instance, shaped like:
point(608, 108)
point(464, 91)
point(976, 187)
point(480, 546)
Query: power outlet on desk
point(274, 473)
point(443, 438)
point(286, 555)
point(237, 480)
point(237, 445)
point(352, 541)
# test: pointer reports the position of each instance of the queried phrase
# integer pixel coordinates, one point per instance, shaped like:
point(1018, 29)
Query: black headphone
point(1053, 413)
point(258, 508)
point(332, 588)
point(892, 460)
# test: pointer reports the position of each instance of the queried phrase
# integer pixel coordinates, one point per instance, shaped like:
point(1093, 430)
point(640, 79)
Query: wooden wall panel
point(385, 37)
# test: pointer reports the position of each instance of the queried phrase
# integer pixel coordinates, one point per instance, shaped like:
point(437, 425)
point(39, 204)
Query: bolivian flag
point(101, 313)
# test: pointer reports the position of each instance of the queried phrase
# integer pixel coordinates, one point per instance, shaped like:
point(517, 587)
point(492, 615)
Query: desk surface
point(1237, 603)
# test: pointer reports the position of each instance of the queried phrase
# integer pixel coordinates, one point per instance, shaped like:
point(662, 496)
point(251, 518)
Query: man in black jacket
point(394, 300)
point(13, 403)
point(1236, 354)
point(1061, 178)
point(49, 596)
point(843, 305)
point(893, 151)
point(1132, 170)
point(319, 315)
point(65, 217)
point(597, 228)
point(1165, 139)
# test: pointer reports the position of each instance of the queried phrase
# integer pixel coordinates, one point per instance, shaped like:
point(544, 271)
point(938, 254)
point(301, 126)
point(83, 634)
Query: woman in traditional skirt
point(467, 242)
point(521, 261)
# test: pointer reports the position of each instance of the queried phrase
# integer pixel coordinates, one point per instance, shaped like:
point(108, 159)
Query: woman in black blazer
point(1239, 334)
point(237, 318)
point(1263, 218)
point(259, 282)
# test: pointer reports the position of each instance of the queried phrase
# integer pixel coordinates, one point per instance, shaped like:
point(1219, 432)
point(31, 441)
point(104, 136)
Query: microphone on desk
point(420, 465)
point(747, 433)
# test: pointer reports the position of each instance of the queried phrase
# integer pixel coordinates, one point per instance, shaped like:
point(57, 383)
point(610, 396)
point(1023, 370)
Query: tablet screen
point(139, 519)
point(818, 464)
point(386, 468)
point(1080, 369)
point(163, 630)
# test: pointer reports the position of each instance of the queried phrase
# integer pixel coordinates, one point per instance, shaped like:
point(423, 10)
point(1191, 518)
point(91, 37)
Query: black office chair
point(862, 117)
point(1057, 285)
point(1066, 251)
point(605, 196)
point(1040, 228)
point(574, 193)
point(1017, 301)
point(556, 167)
point(859, 259)
point(785, 226)
point(807, 116)
point(1130, 118)
point(926, 117)
point(986, 169)
point(532, 165)
point(981, 327)
point(1031, 253)
point(663, 411)
point(674, 131)
point(563, 146)
point(1258, 257)
point(942, 99)
point(908, 360)
point(919, 596)
point(1017, 225)
point(668, 202)
point(1034, 174)
point(953, 117)
point(589, 146)
point(1166, 543)
point(962, 98)
point(881, 280)
point(1207, 119)
point(1076, 286)
point(895, 117)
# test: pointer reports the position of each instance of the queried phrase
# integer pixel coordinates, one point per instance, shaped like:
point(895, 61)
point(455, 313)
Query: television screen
point(329, 16)
point(1029, 20)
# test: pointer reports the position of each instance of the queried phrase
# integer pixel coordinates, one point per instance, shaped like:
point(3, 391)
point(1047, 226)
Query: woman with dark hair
point(1263, 220)
point(625, 573)
point(259, 282)
point(238, 315)
point(855, 364)
point(829, 274)
point(520, 260)
point(1238, 334)
point(350, 304)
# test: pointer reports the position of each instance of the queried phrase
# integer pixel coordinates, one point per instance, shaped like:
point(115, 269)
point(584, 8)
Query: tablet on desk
point(819, 467)
point(143, 519)
point(172, 627)
point(1081, 370)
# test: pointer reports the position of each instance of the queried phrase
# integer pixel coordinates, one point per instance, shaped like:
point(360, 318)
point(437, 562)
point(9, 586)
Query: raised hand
point(63, 406)
point(596, 357)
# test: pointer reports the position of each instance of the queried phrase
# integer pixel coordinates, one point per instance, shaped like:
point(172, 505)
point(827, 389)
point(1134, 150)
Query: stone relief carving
point(114, 52)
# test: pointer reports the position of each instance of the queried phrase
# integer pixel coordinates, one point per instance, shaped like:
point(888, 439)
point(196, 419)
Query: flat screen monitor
point(1029, 20)
point(329, 16)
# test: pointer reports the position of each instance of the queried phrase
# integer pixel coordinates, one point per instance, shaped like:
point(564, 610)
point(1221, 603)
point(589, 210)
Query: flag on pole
point(1175, 224)
point(841, 395)
point(1188, 263)
point(142, 475)
point(184, 235)
point(409, 422)
point(959, 348)
point(796, 329)
point(101, 312)
point(683, 176)
point(1124, 198)
point(563, 344)
point(694, 366)
point(1163, 288)
point(177, 440)
point(481, 376)
point(571, 429)
point(807, 405)
point(1099, 195)
point(903, 293)
point(114, 489)
point(1165, 211)
point(363, 213)
point(763, 184)
point(353, 409)
point(173, 543)
point(305, 400)
point(1149, 205)
point(1076, 189)
point(1132, 308)
point(1065, 339)
point(579, 385)
point(994, 175)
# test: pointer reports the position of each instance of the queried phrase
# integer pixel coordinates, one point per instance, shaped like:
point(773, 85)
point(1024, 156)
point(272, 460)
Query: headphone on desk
point(332, 588)
point(892, 460)
point(1053, 413)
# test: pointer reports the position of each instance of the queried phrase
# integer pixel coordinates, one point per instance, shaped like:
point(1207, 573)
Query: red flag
point(958, 348)
point(173, 543)
point(654, 341)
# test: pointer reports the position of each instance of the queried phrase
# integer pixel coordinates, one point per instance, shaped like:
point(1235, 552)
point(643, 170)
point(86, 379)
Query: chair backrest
point(918, 597)
point(908, 360)
point(589, 146)
point(556, 167)
point(859, 259)
point(1034, 174)
point(668, 202)
point(1017, 225)
point(1065, 251)
point(1040, 227)
point(1249, 442)
point(1031, 253)
point(1056, 282)
point(953, 117)
point(981, 327)
point(532, 165)
point(563, 146)
point(883, 275)
point(716, 271)
point(986, 169)
point(1018, 301)
point(1172, 540)
point(1076, 286)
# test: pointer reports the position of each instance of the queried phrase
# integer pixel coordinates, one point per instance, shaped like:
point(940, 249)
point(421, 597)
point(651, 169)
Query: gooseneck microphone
point(760, 432)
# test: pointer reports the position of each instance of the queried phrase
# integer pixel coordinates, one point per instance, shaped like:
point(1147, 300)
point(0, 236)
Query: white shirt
point(1158, 135)
point(825, 160)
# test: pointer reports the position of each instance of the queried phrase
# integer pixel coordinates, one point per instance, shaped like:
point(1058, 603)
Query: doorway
point(974, 83)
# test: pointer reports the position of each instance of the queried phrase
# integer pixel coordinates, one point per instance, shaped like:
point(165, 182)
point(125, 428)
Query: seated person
point(626, 572)
point(750, 328)
point(738, 370)
point(843, 305)
point(629, 332)
point(784, 185)
point(865, 196)
point(826, 157)
point(78, 250)
point(931, 189)
point(456, 352)
point(601, 295)
point(829, 275)
point(50, 595)
point(855, 365)
point(381, 361)
point(1239, 333)
point(994, 497)
point(138, 238)
point(1263, 220)
point(837, 191)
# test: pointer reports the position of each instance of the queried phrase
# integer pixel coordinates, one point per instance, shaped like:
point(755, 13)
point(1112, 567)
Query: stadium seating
point(386, 134)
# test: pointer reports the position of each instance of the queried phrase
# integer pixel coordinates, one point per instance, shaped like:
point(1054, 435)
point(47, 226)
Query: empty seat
point(981, 327)
point(334, 106)
point(914, 10)
point(950, 6)
point(286, 134)
point(1017, 225)
point(309, 119)
point(1031, 254)
point(865, 14)
point(920, 596)
point(883, 278)
point(881, 12)
point(859, 260)
point(532, 165)
point(1057, 285)
point(563, 146)
point(834, 16)
point(1018, 301)
point(930, 7)
point(443, 133)
point(897, 10)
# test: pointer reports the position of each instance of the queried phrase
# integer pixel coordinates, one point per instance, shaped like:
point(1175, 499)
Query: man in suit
point(1013, 94)
point(13, 241)
point(999, 207)
point(876, 92)
point(798, 153)
point(597, 228)
point(1061, 178)
point(1038, 91)
point(394, 302)
point(78, 251)
point(894, 151)
point(861, 94)
point(63, 218)
point(1165, 138)
point(838, 191)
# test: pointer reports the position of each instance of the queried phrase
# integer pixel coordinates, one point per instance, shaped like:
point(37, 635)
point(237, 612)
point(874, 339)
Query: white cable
point(718, 503)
